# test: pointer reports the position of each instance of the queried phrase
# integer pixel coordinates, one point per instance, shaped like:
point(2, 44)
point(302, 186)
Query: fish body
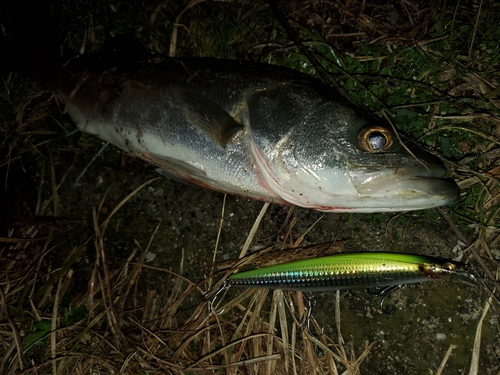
point(348, 271)
point(255, 130)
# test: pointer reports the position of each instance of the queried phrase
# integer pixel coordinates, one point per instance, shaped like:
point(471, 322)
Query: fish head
point(338, 160)
point(389, 168)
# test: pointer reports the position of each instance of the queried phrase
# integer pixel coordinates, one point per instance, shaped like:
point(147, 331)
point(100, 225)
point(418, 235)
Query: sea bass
point(255, 130)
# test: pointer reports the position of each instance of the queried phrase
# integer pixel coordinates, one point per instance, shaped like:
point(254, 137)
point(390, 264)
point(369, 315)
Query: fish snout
point(414, 186)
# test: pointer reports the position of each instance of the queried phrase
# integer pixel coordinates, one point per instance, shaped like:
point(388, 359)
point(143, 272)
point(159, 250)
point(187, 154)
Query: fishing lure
point(349, 271)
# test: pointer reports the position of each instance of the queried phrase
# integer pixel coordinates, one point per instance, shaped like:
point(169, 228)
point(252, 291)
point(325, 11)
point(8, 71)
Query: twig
point(15, 331)
point(474, 365)
point(307, 53)
point(445, 359)
point(173, 39)
point(253, 230)
point(90, 163)
point(53, 328)
point(221, 222)
point(268, 256)
point(462, 238)
point(475, 27)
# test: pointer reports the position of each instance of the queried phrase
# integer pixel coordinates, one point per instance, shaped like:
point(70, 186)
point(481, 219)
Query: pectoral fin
point(211, 118)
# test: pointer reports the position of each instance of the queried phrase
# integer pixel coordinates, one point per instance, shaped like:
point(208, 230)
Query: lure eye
point(374, 139)
point(448, 267)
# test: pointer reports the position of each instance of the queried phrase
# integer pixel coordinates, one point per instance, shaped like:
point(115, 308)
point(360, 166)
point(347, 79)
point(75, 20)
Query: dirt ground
point(185, 220)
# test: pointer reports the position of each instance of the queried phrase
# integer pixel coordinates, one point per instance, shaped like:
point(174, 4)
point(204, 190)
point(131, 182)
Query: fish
point(351, 270)
point(256, 130)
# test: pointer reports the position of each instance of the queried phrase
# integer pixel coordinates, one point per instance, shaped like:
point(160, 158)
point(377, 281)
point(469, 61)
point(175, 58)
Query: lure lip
point(461, 272)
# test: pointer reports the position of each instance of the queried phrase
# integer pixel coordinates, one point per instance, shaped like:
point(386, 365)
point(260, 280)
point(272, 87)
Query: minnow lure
point(348, 271)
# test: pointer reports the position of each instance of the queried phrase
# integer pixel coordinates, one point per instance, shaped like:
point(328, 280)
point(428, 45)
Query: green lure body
point(348, 271)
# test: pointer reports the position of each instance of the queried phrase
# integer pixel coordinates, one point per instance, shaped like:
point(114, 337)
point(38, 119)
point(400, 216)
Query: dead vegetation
point(110, 329)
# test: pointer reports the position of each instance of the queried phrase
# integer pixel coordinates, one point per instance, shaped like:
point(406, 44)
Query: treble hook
point(223, 288)
point(384, 293)
point(307, 321)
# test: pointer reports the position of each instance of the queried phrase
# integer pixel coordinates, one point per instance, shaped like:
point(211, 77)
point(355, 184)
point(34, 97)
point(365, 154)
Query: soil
point(413, 340)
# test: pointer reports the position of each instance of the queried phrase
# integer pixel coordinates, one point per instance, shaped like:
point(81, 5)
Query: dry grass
point(118, 332)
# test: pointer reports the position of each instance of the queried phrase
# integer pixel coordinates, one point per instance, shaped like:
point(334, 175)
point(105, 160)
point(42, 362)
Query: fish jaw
point(417, 181)
point(363, 189)
point(408, 191)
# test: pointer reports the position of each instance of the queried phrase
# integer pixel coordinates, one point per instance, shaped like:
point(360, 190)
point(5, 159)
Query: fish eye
point(374, 139)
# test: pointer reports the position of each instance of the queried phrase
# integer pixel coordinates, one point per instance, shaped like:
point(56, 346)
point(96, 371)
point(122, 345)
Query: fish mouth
point(409, 178)
point(413, 187)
